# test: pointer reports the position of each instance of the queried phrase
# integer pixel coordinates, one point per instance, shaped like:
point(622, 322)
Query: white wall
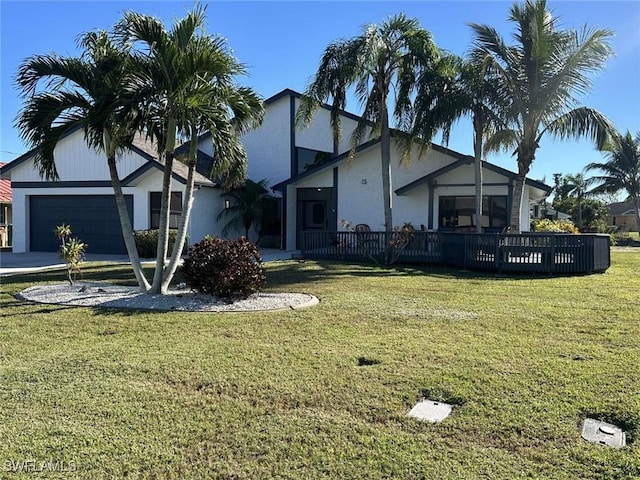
point(75, 161)
point(268, 147)
point(318, 135)
point(207, 203)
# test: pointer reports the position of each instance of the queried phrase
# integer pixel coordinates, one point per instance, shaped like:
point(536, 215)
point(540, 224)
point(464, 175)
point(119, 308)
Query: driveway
point(15, 263)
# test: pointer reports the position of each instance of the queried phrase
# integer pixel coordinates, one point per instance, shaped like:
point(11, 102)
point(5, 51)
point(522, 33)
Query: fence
point(528, 252)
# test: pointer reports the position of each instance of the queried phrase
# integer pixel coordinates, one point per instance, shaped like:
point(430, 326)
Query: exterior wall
point(202, 216)
point(207, 203)
point(318, 135)
point(625, 223)
point(360, 190)
point(269, 147)
point(75, 161)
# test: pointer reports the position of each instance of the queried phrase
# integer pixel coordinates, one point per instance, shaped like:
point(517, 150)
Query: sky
point(281, 44)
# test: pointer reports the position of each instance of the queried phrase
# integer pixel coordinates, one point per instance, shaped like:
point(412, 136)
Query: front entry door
point(316, 212)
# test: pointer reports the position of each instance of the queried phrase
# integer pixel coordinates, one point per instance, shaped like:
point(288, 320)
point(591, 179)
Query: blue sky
point(281, 43)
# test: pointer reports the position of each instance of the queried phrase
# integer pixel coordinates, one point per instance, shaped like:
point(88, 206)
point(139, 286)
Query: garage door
point(93, 219)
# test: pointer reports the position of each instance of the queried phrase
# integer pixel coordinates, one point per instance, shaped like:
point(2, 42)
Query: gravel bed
point(105, 295)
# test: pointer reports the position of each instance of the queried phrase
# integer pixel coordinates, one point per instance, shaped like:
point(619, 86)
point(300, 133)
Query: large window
point(311, 158)
point(461, 212)
point(175, 209)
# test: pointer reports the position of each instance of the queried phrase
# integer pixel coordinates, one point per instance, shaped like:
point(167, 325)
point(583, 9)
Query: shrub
point(147, 242)
point(71, 251)
point(224, 268)
point(558, 226)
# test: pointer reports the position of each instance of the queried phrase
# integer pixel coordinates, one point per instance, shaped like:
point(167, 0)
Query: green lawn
point(108, 394)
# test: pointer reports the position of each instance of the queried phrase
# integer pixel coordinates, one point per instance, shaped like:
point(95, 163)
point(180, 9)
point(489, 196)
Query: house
point(5, 212)
point(622, 216)
point(316, 185)
point(320, 185)
point(83, 197)
point(544, 210)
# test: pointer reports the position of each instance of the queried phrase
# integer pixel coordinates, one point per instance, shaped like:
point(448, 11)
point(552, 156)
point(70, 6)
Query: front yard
point(324, 392)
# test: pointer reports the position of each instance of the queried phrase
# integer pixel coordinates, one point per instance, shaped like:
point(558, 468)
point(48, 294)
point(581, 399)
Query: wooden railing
point(527, 252)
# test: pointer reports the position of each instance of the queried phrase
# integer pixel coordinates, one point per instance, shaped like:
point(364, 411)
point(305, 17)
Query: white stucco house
point(320, 185)
point(83, 197)
point(315, 183)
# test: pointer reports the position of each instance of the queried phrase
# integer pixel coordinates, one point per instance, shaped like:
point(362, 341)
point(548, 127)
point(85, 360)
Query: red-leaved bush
point(224, 268)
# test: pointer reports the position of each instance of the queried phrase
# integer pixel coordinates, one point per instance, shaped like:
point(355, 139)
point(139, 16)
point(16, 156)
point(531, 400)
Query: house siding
point(268, 147)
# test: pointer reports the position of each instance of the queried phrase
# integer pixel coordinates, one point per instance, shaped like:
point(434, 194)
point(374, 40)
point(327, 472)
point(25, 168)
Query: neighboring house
point(317, 186)
point(622, 216)
point(83, 197)
point(5, 212)
point(544, 210)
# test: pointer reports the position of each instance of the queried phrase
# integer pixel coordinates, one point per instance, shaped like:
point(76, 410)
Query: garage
point(93, 220)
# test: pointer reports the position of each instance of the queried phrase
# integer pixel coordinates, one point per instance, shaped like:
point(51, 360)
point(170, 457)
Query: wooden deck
point(527, 252)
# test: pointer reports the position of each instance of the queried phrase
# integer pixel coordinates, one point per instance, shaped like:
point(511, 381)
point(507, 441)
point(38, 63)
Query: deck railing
point(526, 252)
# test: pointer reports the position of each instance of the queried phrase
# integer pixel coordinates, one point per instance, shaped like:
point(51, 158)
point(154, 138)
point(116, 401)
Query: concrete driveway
point(15, 263)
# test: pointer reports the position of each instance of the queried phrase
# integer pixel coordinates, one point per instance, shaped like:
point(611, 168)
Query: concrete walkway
point(18, 263)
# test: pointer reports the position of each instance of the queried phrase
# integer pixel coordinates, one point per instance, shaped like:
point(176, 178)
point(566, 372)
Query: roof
point(5, 189)
point(461, 160)
point(140, 146)
point(621, 208)
point(465, 161)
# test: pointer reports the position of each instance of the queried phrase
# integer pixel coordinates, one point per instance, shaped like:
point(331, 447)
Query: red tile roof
point(5, 189)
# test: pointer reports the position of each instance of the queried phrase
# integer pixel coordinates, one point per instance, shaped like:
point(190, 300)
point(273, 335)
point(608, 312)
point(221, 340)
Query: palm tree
point(577, 186)
point(383, 61)
point(539, 78)
point(89, 93)
point(622, 170)
point(455, 88)
point(245, 206)
point(187, 80)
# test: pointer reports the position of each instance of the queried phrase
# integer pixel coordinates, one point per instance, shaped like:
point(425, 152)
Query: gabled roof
point(141, 147)
point(466, 160)
point(5, 189)
point(621, 208)
point(322, 166)
point(180, 174)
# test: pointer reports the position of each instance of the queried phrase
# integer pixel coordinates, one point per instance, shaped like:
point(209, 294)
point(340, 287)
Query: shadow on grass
point(280, 274)
point(309, 271)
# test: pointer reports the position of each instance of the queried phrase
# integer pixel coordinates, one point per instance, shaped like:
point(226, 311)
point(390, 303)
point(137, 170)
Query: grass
point(324, 392)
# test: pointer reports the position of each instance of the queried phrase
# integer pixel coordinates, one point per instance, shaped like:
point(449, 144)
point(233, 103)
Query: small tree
point(245, 208)
point(71, 251)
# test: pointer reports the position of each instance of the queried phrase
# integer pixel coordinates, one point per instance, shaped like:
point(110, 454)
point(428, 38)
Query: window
point(175, 208)
point(310, 158)
point(461, 212)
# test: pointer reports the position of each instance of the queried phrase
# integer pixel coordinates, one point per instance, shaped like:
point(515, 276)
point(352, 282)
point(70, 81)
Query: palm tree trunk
point(165, 199)
point(516, 204)
point(580, 213)
point(477, 150)
point(385, 157)
point(181, 236)
point(636, 204)
point(125, 221)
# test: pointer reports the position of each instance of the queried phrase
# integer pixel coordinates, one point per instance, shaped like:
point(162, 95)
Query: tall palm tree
point(187, 79)
point(88, 92)
point(455, 88)
point(245, 206)
point(540, 77)
point(622, 170)
point(382, 65)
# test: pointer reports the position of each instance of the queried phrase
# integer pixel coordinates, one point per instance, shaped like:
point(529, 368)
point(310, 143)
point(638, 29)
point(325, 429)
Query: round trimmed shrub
point(224, 268)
